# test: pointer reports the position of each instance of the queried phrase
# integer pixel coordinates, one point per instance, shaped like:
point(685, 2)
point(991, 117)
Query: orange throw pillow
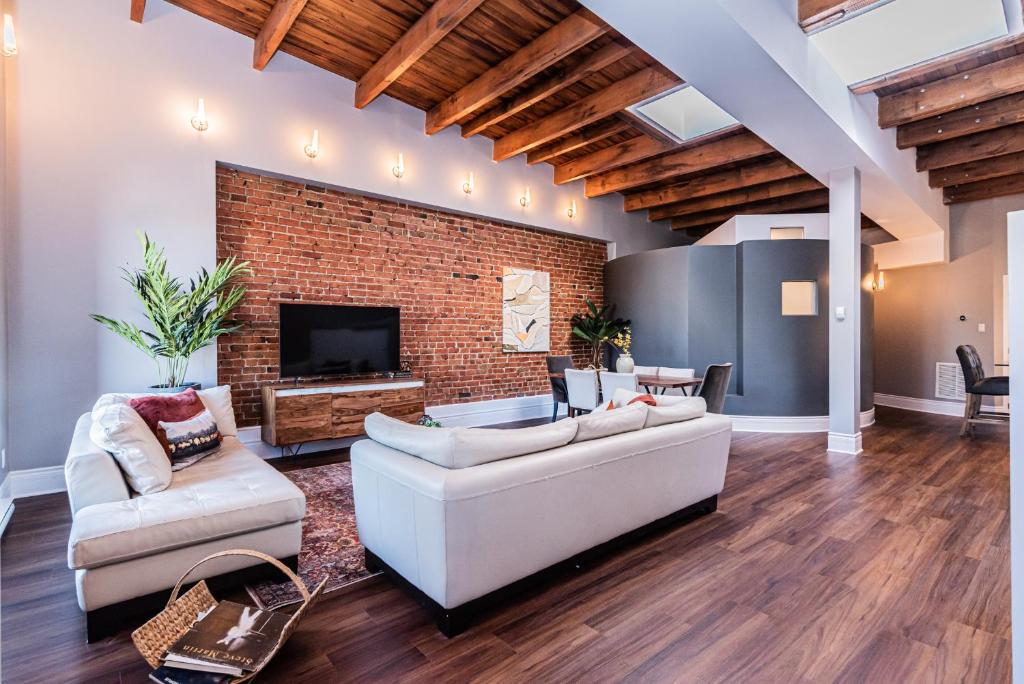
point(611, 405)
point(644, 399)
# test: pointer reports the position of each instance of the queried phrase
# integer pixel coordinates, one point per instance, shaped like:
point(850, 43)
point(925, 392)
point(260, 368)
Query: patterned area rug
point(330, 543)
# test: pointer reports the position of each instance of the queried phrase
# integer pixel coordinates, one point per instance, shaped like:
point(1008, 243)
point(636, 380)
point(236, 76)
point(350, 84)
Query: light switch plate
point(981, 327)
point(840, 313)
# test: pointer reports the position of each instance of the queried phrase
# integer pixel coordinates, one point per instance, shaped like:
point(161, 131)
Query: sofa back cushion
point(118, 429)
point(611, 422)
point(216, 399)
point(462, 447)
point(688, 408)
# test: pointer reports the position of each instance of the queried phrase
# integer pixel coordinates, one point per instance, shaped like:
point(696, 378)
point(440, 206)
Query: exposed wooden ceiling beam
point(678, 163)
point(757, 193)
point(813, 14)
point(582, 68)
point(802, 202)
point(984, 116)
point(990, 167)
point(970, 148)
point(550, 47)
point(275, 28)
point(619, 95)
point(714, 183)
point(575, 141)
point(1004, 77)
point(138, 9)
point(632, 150)
point(429, 29)
point(995, 187)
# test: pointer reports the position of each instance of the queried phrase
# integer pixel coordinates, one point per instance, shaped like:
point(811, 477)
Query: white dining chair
point(582, 388)
point(646, 370)
point(613, 381)
point(675, 374)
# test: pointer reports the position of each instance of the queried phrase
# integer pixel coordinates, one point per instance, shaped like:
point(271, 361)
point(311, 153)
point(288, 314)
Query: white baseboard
point(36, 481)
point(6, 512)
point(843, 443)
point(792, 423)
point(943, 408)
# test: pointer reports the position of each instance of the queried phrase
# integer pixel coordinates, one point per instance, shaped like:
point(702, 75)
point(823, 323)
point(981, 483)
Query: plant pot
point(164, 389)
point(624, 364)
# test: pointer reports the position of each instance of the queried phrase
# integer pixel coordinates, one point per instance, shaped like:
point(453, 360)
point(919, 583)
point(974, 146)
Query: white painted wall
point(100, 145)
point(759, 227)
point(1015, 241)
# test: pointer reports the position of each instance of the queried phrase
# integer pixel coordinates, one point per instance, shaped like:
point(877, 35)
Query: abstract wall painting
point(526, 310)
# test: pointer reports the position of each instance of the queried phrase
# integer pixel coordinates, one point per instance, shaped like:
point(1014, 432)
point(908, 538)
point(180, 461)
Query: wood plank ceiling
point(542, 77)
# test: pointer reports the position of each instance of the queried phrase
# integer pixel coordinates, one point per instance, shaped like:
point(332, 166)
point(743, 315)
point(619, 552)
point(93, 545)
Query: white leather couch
point(127, 549)
point(458, 518)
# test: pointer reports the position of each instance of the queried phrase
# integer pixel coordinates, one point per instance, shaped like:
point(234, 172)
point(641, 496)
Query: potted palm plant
point(184, 319)
point(597, 328)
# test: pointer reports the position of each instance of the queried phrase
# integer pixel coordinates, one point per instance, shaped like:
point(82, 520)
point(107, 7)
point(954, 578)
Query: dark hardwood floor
point(889, 567)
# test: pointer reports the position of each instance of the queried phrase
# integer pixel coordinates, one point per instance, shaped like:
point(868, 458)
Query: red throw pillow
point(169, 408)
point(644, 399)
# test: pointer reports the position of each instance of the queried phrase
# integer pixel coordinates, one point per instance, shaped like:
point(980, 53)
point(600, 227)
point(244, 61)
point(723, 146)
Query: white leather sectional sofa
point(460, 513)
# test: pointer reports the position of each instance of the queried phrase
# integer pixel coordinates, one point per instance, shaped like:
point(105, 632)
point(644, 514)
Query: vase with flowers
point(623, 341)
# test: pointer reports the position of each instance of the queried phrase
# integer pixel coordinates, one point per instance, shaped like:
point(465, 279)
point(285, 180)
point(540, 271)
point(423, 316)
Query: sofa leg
point(451, 622)
point(370, 560)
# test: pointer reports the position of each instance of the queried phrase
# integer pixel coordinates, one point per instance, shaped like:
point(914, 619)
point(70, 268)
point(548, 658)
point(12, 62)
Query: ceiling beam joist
point(757, 193)
point(594, 107)
point(1006, 140)
point(575, 141)
point(984, 116)
point(802, 202)
point(1000, 78)
point(582, 68)
point(714, 183)
point(429, 29)
point(983, 169)
point(735, 148)
point(138, 10)
point(996, 187)
point(274, 30)
point(550, 47)
point(632, 150)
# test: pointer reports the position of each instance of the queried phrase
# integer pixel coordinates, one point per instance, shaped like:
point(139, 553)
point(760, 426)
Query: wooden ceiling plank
point(687, 161)
point(594, 107)
point(757, 193)
point(583, 68)
point(804, 201)
point(970, 148)
point(983, 169)
point(813, 14)
point(984, 116)
point(552, 46)
point(138, 10)
point(429, 29)
point(274, 30)
point(713, 183)
point(632, 150)
point(996, 187)
point(1004, 77)
point(577, 140)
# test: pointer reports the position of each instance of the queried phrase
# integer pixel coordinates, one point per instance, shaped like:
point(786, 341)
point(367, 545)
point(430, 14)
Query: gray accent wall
point(694, 306)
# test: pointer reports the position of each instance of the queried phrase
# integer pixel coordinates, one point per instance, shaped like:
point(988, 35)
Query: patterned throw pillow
point(191, 440)
point(167, 408)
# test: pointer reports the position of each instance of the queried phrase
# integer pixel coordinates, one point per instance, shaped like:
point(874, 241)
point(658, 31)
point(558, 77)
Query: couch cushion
point(118, 429)
point(607, 423)
point(228, 493)
point(216, 399)
point(687, 408)
point(461, 447)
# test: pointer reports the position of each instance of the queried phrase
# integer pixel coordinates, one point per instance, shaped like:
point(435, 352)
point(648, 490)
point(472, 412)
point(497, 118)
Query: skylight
point(901, 33)
point(684, 114)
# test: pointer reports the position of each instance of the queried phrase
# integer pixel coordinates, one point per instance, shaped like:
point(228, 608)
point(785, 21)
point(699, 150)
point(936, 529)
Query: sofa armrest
point(91, 474)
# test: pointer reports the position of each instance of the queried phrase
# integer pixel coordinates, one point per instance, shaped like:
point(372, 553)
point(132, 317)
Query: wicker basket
point(156, 636)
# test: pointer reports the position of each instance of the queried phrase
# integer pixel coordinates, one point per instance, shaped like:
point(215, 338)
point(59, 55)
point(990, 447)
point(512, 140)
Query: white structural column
point(844, 291)
point(1015, 254)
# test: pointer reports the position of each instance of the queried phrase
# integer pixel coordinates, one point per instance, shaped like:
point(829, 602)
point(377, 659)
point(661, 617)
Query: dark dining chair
point(715, 385)
point(558, 364)
point(977, 386)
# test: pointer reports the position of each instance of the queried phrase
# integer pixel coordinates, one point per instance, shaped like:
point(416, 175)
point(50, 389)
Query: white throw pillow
point(217, 401)
point(117, 428)
point(687, 408)
point(462, 447)
point(607, 423)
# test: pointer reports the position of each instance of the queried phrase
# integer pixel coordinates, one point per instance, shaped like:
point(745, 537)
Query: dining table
point(656, 383)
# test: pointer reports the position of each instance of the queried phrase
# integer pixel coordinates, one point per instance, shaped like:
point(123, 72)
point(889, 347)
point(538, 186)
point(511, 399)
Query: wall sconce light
point(879, 283)
point(525, 200)
point(399, 168)
point(10, 42)
point(312, 149)
point(467, 186)
point(572, 211)
point(198, 119)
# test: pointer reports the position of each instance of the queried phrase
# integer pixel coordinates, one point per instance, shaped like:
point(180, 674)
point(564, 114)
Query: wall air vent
point(949, 381)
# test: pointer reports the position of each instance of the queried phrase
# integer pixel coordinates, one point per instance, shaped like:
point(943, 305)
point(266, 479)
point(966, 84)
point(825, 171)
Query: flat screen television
point(318, 339)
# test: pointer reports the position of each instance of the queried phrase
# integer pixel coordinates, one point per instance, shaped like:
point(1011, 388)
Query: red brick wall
point(307, 243)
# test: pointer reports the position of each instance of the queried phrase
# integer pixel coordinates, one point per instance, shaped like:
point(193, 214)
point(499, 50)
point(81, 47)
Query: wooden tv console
point(293, 414)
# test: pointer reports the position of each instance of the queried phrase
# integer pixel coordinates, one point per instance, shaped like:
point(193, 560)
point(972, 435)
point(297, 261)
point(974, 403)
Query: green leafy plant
point(184, 319)
point(597, 328)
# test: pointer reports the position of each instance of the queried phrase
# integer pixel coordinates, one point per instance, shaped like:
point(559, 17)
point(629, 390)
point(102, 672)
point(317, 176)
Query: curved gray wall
point(693, 306)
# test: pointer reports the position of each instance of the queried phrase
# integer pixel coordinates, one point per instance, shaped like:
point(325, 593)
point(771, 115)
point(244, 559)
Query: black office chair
point(978, 386)
point(558, 364)
point(715, 385)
